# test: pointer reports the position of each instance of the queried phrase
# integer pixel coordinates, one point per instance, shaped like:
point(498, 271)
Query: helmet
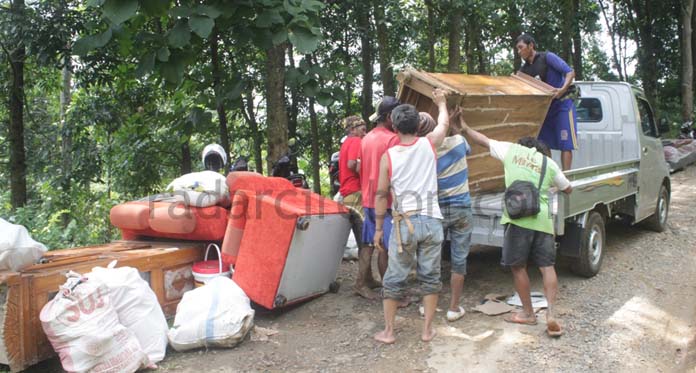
point(214, 157)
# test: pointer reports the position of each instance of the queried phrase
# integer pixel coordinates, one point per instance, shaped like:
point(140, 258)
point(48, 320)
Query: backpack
point(522, 197)
point(540, 68)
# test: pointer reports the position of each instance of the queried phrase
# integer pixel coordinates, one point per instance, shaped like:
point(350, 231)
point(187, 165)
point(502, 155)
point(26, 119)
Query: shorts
point(369, 225)
point(522, 245)
point(421, 251)
point(559, 131)
point(458, 221)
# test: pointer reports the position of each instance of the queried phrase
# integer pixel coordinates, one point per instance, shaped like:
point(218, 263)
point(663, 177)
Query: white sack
point(17, 248)
point(201, 189)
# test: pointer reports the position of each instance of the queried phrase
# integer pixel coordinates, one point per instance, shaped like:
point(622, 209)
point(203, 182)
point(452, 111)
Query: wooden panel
point(502, 108)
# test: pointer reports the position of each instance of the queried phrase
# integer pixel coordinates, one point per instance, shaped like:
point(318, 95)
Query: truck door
point(651, 161)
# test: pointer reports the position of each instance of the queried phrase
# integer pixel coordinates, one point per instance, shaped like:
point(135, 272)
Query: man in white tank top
point(409, 171)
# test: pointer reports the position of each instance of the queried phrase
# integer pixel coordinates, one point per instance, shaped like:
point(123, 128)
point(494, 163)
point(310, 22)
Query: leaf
point(269, 18)
point(181, 12)
point(85, 44)
point(311, 88)
point(303, 40)
point(163, 54)
point(173, 70)
point(325, 98)
point(146, 64)
point(94, 3)
point(180, 35)
point(155, 7)
point(312, 5)
point(236, 90)
point(119, 11)
point(280, 37)
point(208, 10)
point(201, 25)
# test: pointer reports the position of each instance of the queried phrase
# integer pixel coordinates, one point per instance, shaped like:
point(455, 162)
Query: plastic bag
point(136, 306)
point(201, 189)
point(215, 315)
point(17, 248)
point(83, 328)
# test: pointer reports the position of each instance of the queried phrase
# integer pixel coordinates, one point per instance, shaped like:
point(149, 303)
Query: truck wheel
point(658, 221)
point(591, 247)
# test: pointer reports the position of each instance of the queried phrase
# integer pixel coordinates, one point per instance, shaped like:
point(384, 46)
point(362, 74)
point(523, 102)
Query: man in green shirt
point(531, 238)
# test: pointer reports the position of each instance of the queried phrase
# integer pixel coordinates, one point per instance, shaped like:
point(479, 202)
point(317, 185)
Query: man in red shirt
point(349, 178)
point(373, 146)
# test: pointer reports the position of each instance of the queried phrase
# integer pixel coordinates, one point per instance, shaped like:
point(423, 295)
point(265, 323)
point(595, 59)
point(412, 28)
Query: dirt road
point(637, 314)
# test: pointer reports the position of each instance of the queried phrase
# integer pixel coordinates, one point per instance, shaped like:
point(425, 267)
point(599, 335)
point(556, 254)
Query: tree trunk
point(348, 88)
point(386, 71)
point(316, 179)
point(642, 25)
point(611, 27)
point(66, 137)
point(276, 117)
point(250, 117)
point(566, 31)
point(454, 51)
point(431, 34)
point(18, 166)
point(295, 98)
point(515, 27)
point(469, 49)
point(687, 93)
point(219, 95)
point(577, 41)
point(693, 44)
point(481, 53)
point(185, 158)
point(367, 58)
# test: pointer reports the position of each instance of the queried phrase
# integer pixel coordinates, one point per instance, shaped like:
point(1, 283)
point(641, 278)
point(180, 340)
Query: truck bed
point(591, 186)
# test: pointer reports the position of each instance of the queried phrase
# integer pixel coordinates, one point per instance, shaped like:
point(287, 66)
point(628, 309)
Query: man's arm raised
point(438, 134)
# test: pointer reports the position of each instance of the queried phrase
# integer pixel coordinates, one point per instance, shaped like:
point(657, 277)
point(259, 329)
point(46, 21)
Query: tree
point(15, 53)
point(386, 71)
point(455, 37)
point(687, 8)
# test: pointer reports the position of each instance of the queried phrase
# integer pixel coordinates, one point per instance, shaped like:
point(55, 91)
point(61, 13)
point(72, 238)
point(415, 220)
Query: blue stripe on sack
point(463, 199)
point(451, 157)
point(453, 181)
point(210, 321)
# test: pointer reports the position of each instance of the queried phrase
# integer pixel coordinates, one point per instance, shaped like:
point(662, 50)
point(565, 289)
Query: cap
point(214, 149)
point(352, 121)
point(426, 124)
point(385, 106)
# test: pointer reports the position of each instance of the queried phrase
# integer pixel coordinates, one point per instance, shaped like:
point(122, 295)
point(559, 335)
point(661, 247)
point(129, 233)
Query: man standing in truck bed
point(559, 131)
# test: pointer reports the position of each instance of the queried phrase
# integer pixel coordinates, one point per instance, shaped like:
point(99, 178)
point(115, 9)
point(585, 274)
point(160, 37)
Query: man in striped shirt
point(455, 204)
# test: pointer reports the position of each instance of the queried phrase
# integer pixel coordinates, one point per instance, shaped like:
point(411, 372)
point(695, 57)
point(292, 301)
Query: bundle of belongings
point(679, 153)
point(17, 248)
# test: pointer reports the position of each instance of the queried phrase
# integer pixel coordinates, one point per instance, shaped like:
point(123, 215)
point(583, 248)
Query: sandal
point(455, 315)
point(553, 329)
point(516, 318)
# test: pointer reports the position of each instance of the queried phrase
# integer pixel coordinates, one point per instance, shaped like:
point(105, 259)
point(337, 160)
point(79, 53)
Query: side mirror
point(663, 126)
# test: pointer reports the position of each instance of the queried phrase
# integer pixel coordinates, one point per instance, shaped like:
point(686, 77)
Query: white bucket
point(208, 269)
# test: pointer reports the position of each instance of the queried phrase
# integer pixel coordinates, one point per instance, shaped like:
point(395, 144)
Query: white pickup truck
point(619, 171)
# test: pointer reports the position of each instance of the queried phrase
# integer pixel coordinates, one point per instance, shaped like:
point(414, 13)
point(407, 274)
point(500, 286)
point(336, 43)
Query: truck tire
point(658, 221)
point(591, 247)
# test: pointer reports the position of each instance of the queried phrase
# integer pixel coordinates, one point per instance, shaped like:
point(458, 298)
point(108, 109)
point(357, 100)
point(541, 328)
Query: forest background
point(105, 101)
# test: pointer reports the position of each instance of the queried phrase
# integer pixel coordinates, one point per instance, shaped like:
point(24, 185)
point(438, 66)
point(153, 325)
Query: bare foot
point(373, 284)
point(520, 318)
point(366, 293)
point(429, 335)
point(385, 337)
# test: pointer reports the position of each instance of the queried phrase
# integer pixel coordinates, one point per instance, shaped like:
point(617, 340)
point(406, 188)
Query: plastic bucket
point(207, 269)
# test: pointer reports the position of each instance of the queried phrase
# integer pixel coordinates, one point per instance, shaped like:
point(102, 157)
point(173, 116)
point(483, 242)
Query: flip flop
point(553, 329)
point(515, 319)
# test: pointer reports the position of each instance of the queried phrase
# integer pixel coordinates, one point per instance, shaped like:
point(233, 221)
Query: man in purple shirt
point(559, 130)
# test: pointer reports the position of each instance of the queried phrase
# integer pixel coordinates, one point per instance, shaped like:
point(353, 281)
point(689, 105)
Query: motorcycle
point(286, 167)
point(687, 130)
